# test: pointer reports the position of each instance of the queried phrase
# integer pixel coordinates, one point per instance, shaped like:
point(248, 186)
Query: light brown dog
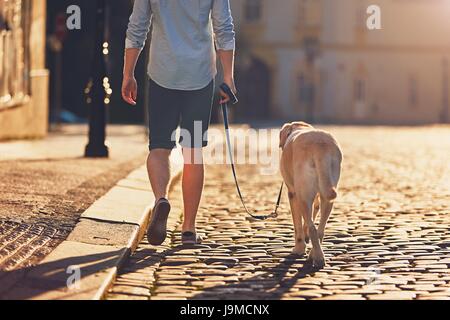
point(311, 167)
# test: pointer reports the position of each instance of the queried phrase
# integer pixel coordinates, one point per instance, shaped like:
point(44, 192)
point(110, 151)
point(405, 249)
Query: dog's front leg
point(300, 244)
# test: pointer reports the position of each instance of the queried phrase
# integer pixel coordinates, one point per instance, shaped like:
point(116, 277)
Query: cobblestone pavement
point(388, 237)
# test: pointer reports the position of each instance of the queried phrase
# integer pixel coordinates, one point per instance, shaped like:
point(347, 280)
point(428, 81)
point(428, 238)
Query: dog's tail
point(323, 169)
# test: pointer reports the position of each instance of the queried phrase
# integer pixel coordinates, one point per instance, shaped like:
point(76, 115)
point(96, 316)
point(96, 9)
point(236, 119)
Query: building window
point(253, 10)
point(360, 90)
point(413, 95)
point(15, 23)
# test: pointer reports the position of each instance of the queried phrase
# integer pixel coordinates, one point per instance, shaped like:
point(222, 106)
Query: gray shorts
point(169, 109)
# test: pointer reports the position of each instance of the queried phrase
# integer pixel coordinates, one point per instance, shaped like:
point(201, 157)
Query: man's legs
point(193, 182)
point(158, 166)
point(195, 118)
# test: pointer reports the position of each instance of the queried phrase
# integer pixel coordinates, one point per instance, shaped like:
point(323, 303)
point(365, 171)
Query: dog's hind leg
point(300, 244)
point(326, 206)
point(316, 209)
point(316, 256)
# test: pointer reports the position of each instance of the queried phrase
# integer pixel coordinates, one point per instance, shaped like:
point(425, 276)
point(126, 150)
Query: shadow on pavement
point(34, 282)
point(273, 284)
point(49, 280)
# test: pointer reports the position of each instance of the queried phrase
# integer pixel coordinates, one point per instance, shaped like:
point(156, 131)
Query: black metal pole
point(96, 147)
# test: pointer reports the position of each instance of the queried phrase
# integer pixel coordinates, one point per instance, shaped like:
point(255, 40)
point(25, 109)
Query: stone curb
point(106, 235)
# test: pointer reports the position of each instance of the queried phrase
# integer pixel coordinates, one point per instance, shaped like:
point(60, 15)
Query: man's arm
point(129, 84)
point(225, 42)
point(227, 60)
point(137, 32)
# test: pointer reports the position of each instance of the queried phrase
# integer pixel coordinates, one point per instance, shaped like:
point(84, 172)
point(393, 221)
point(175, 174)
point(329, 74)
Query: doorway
point(254, 84)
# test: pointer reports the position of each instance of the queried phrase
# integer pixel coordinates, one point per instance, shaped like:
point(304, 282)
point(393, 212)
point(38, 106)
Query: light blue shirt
point(182, 52)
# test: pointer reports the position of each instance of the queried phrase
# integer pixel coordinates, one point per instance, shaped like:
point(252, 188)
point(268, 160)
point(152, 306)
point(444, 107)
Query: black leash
point(224, 106)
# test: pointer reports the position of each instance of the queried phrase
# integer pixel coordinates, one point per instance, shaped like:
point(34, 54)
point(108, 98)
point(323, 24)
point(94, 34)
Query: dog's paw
point(320, 263)
point(316, 259)
point(299, 250)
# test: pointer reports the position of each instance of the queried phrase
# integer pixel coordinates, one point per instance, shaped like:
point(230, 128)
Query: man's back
point(182, 54)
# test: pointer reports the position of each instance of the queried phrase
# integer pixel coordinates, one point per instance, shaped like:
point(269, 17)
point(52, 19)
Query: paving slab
point(121, 205)
point(102, 233)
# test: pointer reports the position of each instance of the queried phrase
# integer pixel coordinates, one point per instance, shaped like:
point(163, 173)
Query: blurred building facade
point(23, 76)
point(316, 60)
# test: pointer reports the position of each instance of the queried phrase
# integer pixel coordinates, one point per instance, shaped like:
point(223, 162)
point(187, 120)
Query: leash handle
point(226, 88)
point(224, 106)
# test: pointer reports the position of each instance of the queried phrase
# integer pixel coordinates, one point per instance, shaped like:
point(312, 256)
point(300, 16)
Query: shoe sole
point(157, 231)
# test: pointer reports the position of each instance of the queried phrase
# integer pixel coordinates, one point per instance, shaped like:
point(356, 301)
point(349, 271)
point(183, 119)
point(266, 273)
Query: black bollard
point(98, 90)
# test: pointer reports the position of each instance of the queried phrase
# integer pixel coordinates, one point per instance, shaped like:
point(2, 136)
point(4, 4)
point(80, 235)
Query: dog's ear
point(302, 124)
point(285, 133)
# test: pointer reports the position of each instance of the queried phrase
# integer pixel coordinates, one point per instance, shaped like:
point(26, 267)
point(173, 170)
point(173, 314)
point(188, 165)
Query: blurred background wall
point(313, 60)
point(316, 60)
point(23, 76)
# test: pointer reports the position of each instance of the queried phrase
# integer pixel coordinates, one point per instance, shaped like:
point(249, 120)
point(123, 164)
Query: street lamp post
point(98, 90)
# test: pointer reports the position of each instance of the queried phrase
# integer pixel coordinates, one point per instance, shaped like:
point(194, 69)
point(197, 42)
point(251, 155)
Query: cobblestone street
point(388, 236)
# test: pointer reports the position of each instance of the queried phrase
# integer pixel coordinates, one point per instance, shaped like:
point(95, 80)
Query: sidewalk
point(47, 184)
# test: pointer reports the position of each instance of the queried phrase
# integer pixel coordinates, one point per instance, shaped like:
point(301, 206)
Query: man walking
point(182, 69)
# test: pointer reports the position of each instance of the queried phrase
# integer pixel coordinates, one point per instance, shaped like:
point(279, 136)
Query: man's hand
point(224, 97)
point(129, 90)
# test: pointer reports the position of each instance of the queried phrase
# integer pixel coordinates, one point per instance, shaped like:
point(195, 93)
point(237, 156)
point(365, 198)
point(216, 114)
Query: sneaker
point(191, 238)
point(157, 230)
